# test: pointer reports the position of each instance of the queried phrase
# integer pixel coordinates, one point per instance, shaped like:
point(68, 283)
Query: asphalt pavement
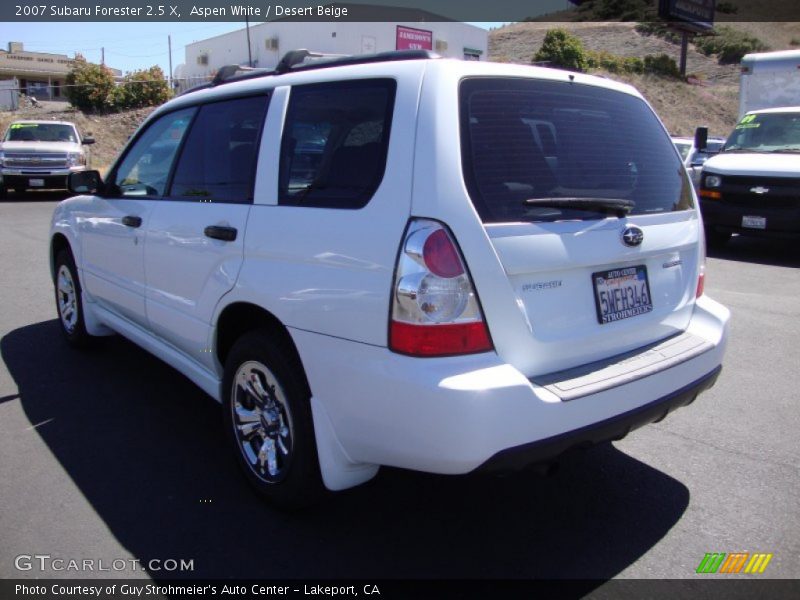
point(110, 455)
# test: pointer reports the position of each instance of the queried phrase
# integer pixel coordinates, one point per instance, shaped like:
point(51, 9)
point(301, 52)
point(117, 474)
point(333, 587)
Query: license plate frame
point(36, 182)
point(754, 222)
point(634, 296)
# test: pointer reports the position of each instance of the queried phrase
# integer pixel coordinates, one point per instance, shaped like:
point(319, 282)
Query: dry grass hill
point(711, 99)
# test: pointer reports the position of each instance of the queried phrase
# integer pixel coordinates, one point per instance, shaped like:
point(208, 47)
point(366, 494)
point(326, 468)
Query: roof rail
point(305, 60)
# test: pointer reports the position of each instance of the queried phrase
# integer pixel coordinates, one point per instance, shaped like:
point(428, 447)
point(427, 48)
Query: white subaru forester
point(400, 260)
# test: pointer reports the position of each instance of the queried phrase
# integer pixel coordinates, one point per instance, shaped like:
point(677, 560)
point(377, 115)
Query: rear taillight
point(435, 311)
point(701, 281)
point(701, 266)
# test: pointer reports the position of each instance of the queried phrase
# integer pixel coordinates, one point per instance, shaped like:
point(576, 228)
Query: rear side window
point(336, 136)
point(218, 160)
point(530, 139)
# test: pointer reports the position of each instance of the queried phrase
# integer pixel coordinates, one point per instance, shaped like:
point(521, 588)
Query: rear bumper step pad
point(595, 377)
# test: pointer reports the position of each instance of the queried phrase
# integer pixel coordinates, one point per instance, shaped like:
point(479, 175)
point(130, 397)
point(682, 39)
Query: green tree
point(89, 86)
point(147, 87)
point(561, 49)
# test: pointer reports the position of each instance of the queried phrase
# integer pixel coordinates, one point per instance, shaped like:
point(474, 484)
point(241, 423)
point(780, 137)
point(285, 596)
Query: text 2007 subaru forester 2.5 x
point(400, 260)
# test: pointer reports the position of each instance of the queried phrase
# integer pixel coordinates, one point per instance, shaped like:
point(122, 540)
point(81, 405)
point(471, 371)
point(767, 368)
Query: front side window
point(218, 160)
point(536, 150)
point(145, 168)
point(336, 136)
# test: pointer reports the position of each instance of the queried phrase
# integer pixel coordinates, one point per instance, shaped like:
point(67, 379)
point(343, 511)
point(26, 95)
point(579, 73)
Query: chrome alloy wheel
point(67, 299)
point(262, 421)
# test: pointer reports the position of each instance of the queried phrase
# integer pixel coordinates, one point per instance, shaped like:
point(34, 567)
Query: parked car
point(439, 265)
point(693, 157)
point(40, 155)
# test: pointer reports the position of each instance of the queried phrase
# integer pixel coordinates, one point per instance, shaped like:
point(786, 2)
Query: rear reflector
point(439, 340)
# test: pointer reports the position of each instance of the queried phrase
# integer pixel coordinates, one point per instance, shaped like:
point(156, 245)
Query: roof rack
point(305, 60)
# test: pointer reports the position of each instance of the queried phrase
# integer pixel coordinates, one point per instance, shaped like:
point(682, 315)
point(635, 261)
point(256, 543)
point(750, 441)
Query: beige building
point(39, 74)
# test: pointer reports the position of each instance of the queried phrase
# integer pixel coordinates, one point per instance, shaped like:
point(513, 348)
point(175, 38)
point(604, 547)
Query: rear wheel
point(268, 421)
point(68, 301)
point(716, 239)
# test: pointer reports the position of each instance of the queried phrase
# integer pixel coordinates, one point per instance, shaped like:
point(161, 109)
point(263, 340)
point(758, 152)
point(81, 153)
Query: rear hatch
point(591, 214)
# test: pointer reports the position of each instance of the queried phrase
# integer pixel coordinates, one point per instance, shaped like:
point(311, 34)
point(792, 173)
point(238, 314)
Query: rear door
point(195, 235)
point(590, 214)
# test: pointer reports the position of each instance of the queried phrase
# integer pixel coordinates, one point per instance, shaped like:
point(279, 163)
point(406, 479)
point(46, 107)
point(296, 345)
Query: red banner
point(409, 38)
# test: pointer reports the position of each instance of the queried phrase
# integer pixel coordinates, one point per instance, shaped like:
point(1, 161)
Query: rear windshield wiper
point(616, 206)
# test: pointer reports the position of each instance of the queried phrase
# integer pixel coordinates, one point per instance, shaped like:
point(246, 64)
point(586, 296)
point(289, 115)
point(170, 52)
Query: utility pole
point(684, 50)
point(169, 45)
point(249, 54)
point(103, 56)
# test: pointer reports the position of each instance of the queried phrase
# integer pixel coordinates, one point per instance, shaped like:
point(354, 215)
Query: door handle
point(131, 221)
point(219, 232)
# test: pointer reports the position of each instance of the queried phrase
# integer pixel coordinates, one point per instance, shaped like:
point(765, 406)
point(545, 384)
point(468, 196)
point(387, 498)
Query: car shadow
point(146, 449)
point(760, 251)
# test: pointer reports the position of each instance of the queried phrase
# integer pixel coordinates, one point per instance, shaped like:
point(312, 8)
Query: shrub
point(615, 10)
point(661, 64)
point(563, 50)
point(727, 8)
point(729, 44)
point(89, 86)
point(141, 88)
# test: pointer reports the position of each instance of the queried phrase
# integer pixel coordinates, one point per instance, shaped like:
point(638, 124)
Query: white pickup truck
point(40, 155)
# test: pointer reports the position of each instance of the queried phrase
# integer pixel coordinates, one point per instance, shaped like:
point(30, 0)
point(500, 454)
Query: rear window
point(530, 139)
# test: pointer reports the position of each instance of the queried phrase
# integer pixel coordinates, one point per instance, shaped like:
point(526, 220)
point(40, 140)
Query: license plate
point(36, 182)
point(754, 222)
point(621, 293)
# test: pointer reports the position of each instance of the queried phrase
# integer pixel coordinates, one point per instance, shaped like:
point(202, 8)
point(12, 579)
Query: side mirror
point(85, 182)
point(88, 140)
point(701, 138)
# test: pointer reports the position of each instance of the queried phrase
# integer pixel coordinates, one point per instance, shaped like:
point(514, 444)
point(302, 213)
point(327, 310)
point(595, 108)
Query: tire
point(68, 301)
point(3, 192)
point(268, 421)
point(716, 239)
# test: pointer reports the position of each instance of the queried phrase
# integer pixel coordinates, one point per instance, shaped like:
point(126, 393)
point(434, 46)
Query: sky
point(128, 46)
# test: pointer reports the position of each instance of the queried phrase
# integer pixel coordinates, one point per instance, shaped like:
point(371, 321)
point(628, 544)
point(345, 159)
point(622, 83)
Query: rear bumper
point(455, 415)
point(615, 428)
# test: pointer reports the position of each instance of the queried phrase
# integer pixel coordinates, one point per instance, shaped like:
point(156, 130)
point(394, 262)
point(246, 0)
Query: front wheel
point(68, 301)
point(268, 421)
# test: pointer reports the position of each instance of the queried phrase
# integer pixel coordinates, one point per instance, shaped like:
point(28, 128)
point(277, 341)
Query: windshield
point(683, 148)
point(41, 132)
point(766, 132)
point(525, 139)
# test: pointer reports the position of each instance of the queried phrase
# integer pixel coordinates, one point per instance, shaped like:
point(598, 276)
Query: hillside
point(711, 99)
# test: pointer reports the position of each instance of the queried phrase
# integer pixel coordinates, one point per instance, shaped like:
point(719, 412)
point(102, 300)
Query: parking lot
point(113, 455)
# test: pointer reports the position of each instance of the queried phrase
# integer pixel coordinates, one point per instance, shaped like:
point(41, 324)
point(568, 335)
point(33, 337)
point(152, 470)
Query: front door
point(113, 226)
